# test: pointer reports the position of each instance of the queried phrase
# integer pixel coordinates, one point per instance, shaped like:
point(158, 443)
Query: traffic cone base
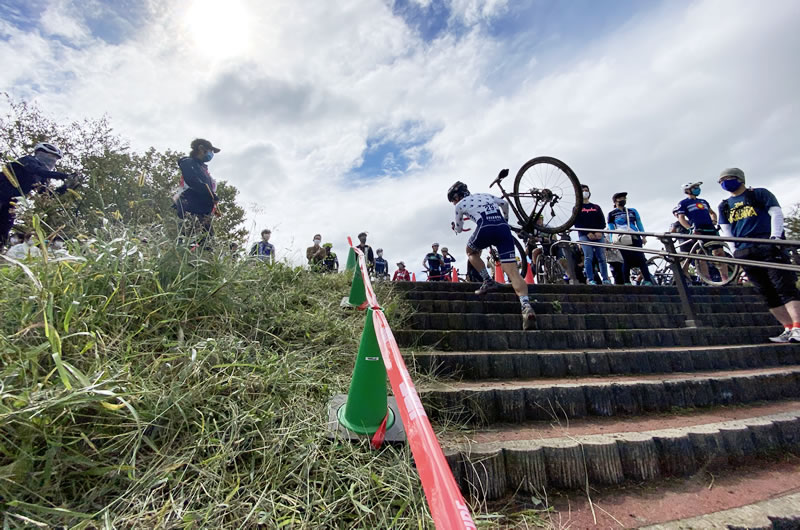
point(529, 274)
point(413, 276)
point(498, 273)
point(455, 275)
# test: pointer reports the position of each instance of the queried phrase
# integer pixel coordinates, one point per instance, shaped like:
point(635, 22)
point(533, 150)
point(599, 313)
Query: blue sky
point(343, 117)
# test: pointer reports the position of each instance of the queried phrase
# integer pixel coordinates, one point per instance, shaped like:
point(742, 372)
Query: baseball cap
point(202, 142)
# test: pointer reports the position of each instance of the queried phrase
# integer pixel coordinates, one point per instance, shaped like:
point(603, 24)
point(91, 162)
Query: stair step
point(518, 401)
point(509, 322)
point(742, 300)
point(568, 308)
point(450, 287)
point(580, 339)
point(493, 470)
point(779, 513)
point(532, 364)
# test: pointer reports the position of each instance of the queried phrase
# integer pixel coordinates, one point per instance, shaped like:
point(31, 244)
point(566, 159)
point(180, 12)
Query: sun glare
point(218, 28)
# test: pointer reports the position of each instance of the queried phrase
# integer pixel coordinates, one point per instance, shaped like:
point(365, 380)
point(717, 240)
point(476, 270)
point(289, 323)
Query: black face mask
point(622, 203)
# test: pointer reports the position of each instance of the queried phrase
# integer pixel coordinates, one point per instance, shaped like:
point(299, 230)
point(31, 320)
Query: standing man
point(381, 266)
point(591, 216)
point(755, 213)
point(367, 250)
point(198, 193)
point(627, 219)
point(330, 263)
point(264, 250)
point(492, 229)
point(29, 173)
point(315, 253)
point(433, 262)
point(696, 215)
point(447, 263)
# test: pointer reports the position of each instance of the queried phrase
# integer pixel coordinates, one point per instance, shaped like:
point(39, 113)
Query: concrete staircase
point(611, 389)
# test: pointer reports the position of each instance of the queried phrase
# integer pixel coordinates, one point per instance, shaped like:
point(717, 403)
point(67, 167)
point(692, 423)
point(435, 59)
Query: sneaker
point(794, 335)
point(647, 283)
point(529, 318)
point(488, 286)
point(784, 337)
point(591, 282)
point(606, 282)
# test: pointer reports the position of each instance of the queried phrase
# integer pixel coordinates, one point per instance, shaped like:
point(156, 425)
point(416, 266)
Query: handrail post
point(680, 282)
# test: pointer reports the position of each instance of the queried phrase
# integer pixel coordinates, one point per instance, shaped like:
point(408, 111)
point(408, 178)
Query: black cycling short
point(777, 286)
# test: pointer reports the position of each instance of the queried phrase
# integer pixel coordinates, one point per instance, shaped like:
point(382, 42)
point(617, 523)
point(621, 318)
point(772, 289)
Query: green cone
point(366, 401)
point(358, 293)
point(352, 261)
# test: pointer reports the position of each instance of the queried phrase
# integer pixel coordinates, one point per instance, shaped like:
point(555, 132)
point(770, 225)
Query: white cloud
point(673, 95)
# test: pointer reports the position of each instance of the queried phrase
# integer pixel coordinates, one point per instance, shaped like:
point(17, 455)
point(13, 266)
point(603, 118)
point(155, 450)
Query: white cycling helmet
point(48, 148)
point(689, 185)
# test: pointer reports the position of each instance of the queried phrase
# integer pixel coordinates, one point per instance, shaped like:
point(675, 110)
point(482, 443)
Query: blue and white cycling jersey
point(482, 208)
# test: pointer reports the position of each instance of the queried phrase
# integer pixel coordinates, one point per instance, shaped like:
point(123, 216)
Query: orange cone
point(455, 275)
point(498, 273)
point(413, 277)
point(529, 275)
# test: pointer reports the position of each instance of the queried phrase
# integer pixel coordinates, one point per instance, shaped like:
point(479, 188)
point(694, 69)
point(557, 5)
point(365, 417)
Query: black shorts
point(777, 286)
point(709, 231)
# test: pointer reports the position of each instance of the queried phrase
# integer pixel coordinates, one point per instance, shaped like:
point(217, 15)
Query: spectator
point(367, 250)
point(433, 262)
point(381, 266)
point(447, 263)
point(591, 216)
point(264, 250)
point(697, 215)
point(315, 253)
point(401, 274)
point(31, 173)
point(626, 219)
point(197, 194)
point(684, 245)
point(756, 213)
point(330, 263)
point(27, 249)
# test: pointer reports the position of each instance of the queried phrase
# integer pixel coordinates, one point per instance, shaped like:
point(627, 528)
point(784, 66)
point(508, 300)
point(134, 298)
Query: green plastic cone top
point(358, 293)
point(352, 261)
point(367, 404)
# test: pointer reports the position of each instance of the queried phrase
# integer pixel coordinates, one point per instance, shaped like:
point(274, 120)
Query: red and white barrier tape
point(447, 505)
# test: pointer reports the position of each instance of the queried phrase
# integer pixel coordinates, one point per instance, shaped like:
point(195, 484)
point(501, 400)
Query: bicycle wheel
point(713, 272)
point(660, 270)
point(547, 187)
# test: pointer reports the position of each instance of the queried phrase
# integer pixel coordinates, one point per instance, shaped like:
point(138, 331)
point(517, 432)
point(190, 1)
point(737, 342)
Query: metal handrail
point(676, 235)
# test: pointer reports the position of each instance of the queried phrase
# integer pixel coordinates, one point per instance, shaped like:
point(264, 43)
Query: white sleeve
point(776, 218)
point(725, 230)
point(459, 223)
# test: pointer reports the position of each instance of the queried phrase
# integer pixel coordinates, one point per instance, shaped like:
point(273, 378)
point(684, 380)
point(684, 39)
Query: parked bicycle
point(700, 271)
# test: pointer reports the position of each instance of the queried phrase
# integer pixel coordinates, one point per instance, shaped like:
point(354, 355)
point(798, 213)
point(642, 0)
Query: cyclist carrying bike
point(490, 215)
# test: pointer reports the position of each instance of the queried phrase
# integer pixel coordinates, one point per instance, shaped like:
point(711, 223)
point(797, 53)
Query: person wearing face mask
point(697, 215)
point(29, 173)
point(197, 194)
point(315, 254)
point(756, 213)
point(381, 266)
point(447, 264)
point(591, 216)
point(627, 219)
point(367, 250)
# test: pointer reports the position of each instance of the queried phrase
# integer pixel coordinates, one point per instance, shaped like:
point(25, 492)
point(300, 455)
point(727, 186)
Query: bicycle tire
point(661, 271)
point(708, 277)
point(569, 217)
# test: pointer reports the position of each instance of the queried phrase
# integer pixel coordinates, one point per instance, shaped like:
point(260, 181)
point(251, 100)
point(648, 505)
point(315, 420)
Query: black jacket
point(590, 216)
point(199, 197)
point(31, 173)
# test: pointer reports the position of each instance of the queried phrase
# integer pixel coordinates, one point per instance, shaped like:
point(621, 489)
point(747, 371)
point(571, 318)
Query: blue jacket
point(31, 173)
point(199, 198)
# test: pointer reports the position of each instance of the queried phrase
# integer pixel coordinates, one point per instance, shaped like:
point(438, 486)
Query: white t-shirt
point(482, 208)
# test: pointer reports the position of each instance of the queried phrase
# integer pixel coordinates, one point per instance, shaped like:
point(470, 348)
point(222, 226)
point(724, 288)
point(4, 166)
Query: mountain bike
point(708, 272)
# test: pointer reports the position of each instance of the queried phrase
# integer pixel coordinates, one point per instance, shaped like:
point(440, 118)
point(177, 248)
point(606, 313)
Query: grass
point(154, 387)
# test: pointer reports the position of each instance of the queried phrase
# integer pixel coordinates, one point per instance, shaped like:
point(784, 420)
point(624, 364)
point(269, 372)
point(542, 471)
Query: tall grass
point(153, 387)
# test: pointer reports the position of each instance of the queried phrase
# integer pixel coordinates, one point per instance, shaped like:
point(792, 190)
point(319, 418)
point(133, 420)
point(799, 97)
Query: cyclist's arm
point(637, 222)
point(685, 222)
point(713, 214)
point(458, 225)
point(503, 204)
point(776, 222)
point(611, 226)
point(194, 177)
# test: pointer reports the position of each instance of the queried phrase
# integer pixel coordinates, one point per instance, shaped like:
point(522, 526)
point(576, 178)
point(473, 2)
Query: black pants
point(777, 286)
point(633, 259)
point(617, 269)
point(6, 221)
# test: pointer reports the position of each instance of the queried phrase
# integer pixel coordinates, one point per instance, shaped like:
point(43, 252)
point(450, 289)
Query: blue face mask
point(695, 191)
point(730, 185)
point(209, 156)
